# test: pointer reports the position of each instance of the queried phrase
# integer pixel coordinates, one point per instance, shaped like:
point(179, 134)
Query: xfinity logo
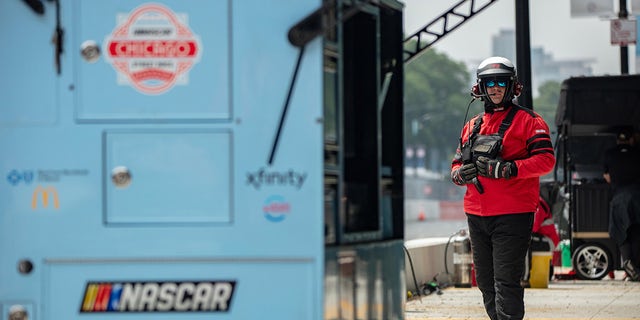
point(274, 178)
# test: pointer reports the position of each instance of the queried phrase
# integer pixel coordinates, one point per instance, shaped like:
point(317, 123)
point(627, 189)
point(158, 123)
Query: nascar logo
point(203, 296)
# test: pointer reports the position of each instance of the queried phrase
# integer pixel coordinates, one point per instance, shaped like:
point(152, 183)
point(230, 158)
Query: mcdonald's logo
point(47, 193)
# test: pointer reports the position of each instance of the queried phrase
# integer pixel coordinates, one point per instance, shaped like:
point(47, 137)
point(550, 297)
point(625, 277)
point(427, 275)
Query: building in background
point(544, 67)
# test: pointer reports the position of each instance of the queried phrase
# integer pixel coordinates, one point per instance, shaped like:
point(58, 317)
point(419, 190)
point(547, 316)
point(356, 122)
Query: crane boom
point(450, 20)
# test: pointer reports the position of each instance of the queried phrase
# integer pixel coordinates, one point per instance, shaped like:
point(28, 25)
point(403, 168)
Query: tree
point(546, 105)
point(547, 102)
point(436, 99)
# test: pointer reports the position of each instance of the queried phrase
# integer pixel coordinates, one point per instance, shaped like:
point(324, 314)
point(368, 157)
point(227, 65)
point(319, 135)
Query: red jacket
point(528, 144)
point(543, 222)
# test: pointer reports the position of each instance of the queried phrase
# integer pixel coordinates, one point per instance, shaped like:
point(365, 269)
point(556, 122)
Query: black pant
point(499, 245)
point(624, 222)
point(630, 248)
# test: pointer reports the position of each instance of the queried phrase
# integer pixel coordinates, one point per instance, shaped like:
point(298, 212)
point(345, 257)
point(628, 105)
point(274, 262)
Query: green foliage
point(547, 102)
point(436, 98)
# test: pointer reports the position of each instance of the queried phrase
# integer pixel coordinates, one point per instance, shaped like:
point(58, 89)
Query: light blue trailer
point(187, 159)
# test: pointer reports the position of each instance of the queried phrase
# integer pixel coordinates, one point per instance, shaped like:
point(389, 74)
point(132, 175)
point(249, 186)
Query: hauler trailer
point(201, 160)
point(590, 112)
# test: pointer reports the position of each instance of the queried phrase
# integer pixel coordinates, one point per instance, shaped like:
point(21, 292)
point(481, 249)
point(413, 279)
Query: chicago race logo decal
point(152, 49)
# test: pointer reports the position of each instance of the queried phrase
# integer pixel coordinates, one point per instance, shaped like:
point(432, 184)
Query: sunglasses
point(491, 84)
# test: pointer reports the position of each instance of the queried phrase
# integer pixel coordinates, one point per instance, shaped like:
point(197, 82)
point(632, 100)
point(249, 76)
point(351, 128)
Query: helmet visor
point(501, 82)
point(493, 83)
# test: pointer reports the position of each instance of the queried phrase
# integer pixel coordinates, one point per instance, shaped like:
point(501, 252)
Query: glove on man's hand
point(496, 168)
point(465, 174)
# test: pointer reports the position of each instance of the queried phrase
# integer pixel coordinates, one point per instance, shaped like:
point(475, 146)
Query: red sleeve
point(541, 158)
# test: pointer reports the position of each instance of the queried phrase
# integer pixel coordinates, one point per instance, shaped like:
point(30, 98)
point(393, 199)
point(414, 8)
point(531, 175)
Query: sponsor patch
point(191, 296)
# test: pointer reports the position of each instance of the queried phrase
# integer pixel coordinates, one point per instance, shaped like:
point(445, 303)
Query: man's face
point(496, 89)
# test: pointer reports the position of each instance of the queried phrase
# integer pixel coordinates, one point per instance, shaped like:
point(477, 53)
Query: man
point(622, 171)
point(500, 158)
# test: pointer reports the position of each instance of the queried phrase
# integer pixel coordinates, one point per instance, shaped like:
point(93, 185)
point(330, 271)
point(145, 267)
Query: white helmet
point(501, 70)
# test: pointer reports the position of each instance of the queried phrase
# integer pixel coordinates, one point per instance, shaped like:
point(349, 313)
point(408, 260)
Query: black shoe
point(631, 270)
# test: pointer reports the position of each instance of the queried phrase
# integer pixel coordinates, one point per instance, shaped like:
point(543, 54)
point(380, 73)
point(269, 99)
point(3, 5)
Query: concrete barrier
point(428, 259)
point(415, 208)
point(426, 209)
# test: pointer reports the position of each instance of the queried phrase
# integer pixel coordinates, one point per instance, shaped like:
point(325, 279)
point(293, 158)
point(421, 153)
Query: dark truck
point(590, 112)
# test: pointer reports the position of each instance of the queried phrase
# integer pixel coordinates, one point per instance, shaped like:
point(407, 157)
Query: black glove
point(496, 169)
point(465, 174)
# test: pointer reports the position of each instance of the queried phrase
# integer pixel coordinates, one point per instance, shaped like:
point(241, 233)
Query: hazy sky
point(551, 27)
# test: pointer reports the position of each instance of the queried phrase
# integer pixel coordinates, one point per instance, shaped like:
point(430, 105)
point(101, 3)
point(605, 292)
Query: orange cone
point(421, 216)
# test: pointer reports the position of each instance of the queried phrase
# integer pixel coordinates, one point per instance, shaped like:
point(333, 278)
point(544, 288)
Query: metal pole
point(624, 50)
point(523, 52)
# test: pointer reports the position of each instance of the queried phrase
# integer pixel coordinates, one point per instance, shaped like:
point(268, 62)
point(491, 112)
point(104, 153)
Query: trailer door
point(141, 172)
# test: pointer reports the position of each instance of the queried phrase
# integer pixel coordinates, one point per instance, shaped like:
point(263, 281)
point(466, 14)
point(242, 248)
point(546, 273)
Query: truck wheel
point(592, 261)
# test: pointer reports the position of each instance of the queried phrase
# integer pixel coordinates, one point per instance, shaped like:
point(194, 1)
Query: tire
point(592, 261)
